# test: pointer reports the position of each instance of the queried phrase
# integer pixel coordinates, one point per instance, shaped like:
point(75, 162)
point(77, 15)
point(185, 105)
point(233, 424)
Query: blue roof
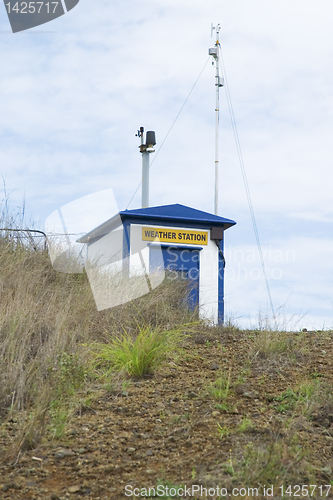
point(168, 215)
point(178, 213)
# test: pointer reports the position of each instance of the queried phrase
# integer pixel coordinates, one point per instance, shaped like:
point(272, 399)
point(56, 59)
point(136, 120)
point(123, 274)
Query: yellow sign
point(183, 236)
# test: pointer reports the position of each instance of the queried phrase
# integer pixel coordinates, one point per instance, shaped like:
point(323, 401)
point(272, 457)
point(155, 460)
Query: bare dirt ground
point(170, 429)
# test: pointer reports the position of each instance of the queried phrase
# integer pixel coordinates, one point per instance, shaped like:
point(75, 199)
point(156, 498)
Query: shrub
point(139, 356)
point(269, 344)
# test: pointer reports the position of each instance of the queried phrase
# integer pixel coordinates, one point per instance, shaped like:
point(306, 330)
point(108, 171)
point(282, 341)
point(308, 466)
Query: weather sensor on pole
point(145, 150)
point(214, 52)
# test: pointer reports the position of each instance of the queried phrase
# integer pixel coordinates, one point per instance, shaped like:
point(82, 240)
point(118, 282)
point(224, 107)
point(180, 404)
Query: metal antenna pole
point(145, 150)
point(218, 83)
point(145, 175)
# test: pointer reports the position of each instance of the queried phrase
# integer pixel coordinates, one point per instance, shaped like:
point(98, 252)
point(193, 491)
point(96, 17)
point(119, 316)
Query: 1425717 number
point(305, 490)
point(32, 7)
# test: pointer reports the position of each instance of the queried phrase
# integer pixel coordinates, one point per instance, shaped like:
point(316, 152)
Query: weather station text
point(165, 235)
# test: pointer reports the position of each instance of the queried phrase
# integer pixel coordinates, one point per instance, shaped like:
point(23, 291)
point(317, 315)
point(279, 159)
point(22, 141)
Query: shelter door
point(179, 263)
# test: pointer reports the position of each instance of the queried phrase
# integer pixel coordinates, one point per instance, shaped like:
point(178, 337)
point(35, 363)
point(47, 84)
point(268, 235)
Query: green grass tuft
point(140, 356)
point(221, 387)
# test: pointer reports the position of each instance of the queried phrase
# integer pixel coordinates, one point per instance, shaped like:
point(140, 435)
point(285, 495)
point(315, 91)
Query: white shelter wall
point(208, 282)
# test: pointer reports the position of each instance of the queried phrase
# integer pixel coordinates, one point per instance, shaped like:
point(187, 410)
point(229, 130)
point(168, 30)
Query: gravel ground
point(169, 429)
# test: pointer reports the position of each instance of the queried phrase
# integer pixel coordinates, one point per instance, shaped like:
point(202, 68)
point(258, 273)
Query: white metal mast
point(145, 150)
point(218, 83)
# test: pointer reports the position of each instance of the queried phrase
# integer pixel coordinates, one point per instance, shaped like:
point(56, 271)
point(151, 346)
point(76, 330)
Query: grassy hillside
point(145, 395)
point(48, 323)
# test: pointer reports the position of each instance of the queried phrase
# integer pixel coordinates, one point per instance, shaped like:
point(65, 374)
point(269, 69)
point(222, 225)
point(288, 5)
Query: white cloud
point(72, 101)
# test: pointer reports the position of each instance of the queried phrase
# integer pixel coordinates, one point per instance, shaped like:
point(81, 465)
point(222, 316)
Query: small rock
point(131, 450)
point(9, 486)
point(250, 395)
point(74, 488)
point(216, 413)
point(240, 389)
point(150, 472)
point(54, 497)
point(243, 390)
point(192, 395)
point(200, 340)
point(180, 430)
point(73, 432)
point(214, 366)
point(149, 453)
point(63, 453)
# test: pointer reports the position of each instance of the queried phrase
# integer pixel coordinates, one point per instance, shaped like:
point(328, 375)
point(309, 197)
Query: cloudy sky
point(75, 91)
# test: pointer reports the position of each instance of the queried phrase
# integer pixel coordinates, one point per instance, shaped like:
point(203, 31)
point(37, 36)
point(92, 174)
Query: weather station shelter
point(180, 241)
point(186, 243)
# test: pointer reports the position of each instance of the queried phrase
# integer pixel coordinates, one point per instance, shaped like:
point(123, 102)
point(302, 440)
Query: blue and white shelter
point(186, 242)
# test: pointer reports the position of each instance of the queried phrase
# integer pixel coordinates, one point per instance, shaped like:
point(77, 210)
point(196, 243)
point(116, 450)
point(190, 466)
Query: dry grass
point(45, 319)
point(271, 344)
point(42, 314)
